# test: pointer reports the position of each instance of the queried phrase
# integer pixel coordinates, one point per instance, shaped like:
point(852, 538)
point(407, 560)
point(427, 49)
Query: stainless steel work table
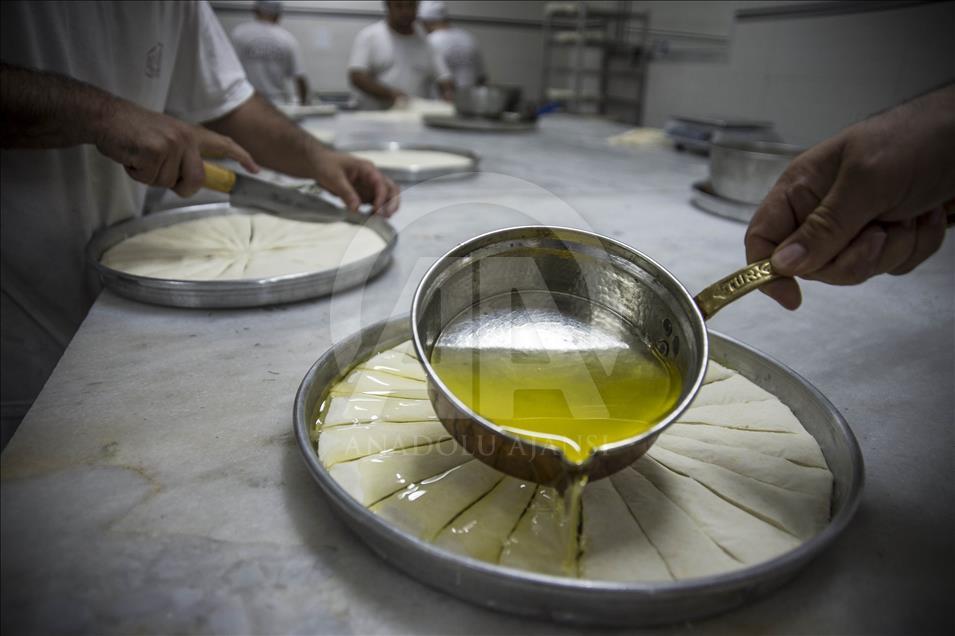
point(156, 487)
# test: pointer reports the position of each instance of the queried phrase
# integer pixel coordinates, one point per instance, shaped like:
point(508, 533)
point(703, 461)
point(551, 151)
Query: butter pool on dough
point(374, 477)
point(352, 441)
point(736, 481)
point(442, 496)
point(242, 246)
point(480, 530)
point(539, 542)
point(382, 384)
point(356, 409)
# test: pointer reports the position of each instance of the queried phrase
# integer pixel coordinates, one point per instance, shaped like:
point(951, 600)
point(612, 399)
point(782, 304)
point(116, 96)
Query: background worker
point(392, 60)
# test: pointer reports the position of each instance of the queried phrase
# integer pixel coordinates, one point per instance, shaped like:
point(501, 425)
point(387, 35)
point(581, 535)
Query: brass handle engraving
point(734, 287)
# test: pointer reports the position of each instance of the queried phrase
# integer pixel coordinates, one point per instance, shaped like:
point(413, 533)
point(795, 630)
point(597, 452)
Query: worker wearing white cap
point(270, 54)
point(458, 47)
point(392, 59)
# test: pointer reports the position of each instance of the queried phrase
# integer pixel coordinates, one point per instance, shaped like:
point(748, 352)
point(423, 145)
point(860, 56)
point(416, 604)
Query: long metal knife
point(269, 197)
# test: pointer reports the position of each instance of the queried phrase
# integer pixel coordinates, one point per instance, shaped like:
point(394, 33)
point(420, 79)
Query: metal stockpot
point(484, 101)
point(745, 170)
point(572, 290)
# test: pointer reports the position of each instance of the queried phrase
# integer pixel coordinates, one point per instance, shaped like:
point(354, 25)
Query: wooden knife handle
point(218, 178)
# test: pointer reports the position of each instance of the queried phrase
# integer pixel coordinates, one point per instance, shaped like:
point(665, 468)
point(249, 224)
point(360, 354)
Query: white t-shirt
point(404, 62)
point(270, 55)
point(165, 56)
point(461, 53)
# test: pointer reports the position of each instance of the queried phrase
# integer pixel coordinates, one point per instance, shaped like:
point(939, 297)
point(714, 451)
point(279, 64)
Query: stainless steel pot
point(538, 291)
point(744, 170)
point(485, 101)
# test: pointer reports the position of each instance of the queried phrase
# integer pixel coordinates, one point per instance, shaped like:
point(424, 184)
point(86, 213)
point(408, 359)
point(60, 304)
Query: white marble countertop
point(156, 486)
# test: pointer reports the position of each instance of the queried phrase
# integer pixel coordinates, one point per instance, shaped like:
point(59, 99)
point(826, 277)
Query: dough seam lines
point(399, 482)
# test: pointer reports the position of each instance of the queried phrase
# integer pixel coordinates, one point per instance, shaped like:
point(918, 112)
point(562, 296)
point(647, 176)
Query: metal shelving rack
point(604, 46)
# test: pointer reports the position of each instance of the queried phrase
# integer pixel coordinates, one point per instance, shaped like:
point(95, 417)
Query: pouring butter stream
point(557, 355)
point(575, 399)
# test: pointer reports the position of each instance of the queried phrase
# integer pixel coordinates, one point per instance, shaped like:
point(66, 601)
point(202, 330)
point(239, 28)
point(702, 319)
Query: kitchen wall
point(811, 75)
point(508, 32)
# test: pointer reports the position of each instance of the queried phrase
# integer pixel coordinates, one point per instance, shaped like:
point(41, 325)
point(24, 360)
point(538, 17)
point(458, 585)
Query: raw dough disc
point(409, 159)
point(242, 246)
point(737, 483)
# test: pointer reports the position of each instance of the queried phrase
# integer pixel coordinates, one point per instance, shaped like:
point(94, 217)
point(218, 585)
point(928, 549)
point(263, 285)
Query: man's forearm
point(273, 140)
point(367, 84)
point(48, 110)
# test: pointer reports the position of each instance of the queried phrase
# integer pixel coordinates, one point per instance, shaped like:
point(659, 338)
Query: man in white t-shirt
point(458, 47)
point(392, 60)
point(270, 54)
point(97, 102)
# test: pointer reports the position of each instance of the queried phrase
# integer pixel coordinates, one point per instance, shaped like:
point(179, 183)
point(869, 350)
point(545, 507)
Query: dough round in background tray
point(240, 247)
point(734, 482)
point(411, 159)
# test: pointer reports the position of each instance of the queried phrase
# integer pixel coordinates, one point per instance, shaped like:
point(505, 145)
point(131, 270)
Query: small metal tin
point(580, 600)
point(230, 293)
point(745, 170)
point(412, 175)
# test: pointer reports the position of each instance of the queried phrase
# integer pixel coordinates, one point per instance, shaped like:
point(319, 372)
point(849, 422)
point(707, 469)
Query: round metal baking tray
point(413, 175)
point(581, 600)
point(478, 124)
point(297, 112)
point(707, 200)
point(229, 293)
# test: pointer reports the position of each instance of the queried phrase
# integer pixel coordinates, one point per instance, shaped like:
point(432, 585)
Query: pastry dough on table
point(374, 477)
point(539, 540)
point(242, 246)
point(479, 530)
point(613, 545)
point(735, 482)
point(343, 443)
point(443, 496)
point(411, 159)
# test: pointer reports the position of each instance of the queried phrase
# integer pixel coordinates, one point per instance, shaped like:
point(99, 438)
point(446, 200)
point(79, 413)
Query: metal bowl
point(229, 293)
point(744, 170)
point(539, 291)
point(485, 101)
point(577, 290)
point(581, 600)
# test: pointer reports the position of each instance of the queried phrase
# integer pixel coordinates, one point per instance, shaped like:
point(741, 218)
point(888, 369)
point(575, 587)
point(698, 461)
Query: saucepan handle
point(218, 178)
point(734, 287)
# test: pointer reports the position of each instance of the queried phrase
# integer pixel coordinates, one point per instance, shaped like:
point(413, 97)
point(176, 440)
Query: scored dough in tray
point(735, 481)
point(240, 246)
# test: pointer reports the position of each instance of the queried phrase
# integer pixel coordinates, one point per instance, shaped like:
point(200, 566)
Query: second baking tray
point(230, 293)
point(414, 175)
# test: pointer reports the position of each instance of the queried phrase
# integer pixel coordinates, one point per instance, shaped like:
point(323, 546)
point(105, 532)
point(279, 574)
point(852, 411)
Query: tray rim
point(449, 122)
point(637, 603)
point(253, 292)
point(712, 203)
point(412, 175)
